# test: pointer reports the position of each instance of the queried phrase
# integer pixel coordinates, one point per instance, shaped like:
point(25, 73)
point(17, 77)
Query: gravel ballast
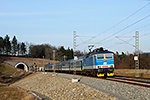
point(61, 87)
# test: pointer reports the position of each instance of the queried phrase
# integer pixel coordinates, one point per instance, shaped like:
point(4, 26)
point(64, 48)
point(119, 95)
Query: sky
point(102, 23)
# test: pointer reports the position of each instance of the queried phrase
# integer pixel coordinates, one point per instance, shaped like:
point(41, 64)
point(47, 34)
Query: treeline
point(46, 51)
point(14, 48)
point(124, 61)
point(11, 47)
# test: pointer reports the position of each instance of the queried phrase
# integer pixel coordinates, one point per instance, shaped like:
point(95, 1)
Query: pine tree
point(7, 45)
point(14, 46)
point(18, 48)
point(1, 45)
point(23, 48)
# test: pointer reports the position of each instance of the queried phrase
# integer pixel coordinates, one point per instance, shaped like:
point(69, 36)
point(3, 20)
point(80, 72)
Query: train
point(100, 64)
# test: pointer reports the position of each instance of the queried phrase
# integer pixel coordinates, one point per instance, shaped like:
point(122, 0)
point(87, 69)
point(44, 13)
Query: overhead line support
point(136, 54)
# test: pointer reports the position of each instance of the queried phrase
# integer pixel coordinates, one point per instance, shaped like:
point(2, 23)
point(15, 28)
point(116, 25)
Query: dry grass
point(12, 93)
point(9, 75)
point(145, 73)
point(6, 69)
point(38, 61)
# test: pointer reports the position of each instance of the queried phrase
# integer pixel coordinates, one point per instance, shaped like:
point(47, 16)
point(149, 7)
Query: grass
point(6, 69)
point(12, 93)
point(9, 92)
point(145, 73)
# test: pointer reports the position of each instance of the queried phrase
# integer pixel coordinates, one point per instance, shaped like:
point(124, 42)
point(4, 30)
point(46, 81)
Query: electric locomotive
point(101, 63)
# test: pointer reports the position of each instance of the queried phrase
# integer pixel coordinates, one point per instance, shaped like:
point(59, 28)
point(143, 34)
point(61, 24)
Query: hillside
point(9, 75)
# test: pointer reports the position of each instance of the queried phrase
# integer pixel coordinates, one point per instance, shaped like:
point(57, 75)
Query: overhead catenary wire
point(92, 37)
point(137, 28)
point(81, 39)
point(128, 40)
point(117, 24)
point(124, 28)
point(130, 36)
point(145, 34)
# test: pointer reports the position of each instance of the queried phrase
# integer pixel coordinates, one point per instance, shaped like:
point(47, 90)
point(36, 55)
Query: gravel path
point(60, 87)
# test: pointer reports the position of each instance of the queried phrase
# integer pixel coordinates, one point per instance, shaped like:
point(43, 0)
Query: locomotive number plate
point(104, 66)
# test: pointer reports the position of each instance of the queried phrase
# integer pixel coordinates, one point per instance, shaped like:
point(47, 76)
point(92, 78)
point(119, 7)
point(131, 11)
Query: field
point(145, 73)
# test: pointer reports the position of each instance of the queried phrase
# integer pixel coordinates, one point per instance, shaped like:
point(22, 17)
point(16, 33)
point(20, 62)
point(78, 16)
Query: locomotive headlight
point(98, 66)
point(111, 65)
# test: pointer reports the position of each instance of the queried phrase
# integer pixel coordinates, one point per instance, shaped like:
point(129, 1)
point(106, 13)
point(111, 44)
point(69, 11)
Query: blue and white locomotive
point(99, 63)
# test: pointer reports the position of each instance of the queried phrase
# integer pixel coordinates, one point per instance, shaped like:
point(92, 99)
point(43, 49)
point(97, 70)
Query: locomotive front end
point(104, 64)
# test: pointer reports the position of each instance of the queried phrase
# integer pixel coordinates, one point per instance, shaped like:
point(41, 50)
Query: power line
point(125, 41)
point(130, 32)
point(145, 34)
point(117, 23)
point(137, 28)
point(83, 42)
point(125, 28)
point(128, 40)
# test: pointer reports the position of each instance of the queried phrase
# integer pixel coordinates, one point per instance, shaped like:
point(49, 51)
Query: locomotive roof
point(93, 53)
point(102, 52)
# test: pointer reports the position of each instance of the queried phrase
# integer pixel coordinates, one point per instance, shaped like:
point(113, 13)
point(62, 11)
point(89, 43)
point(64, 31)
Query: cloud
point(23, 13)
point(32, 13)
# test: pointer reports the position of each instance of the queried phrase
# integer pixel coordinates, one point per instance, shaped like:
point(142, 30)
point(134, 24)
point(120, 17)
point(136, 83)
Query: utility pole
point(136, 57)
point(75, 57)
point(74, 42)
point(54, 61)
point(74, 47)
point(43, 64)
point(37, 66)
point(65, 58)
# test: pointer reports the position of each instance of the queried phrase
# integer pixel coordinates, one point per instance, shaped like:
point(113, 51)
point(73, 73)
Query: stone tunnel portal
point(22, 65)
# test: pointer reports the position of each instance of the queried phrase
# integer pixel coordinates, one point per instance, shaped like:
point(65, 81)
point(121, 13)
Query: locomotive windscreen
point(108, 56)
point(104, 56)
point(100, 56)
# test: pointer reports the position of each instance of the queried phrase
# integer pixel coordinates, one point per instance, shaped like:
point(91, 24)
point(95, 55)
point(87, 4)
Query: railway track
point(128, 80)
point(133, 81)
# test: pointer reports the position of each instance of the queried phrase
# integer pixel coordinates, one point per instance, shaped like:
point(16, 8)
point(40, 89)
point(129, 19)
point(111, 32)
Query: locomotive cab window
point(108, 56)
point(100, 56)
